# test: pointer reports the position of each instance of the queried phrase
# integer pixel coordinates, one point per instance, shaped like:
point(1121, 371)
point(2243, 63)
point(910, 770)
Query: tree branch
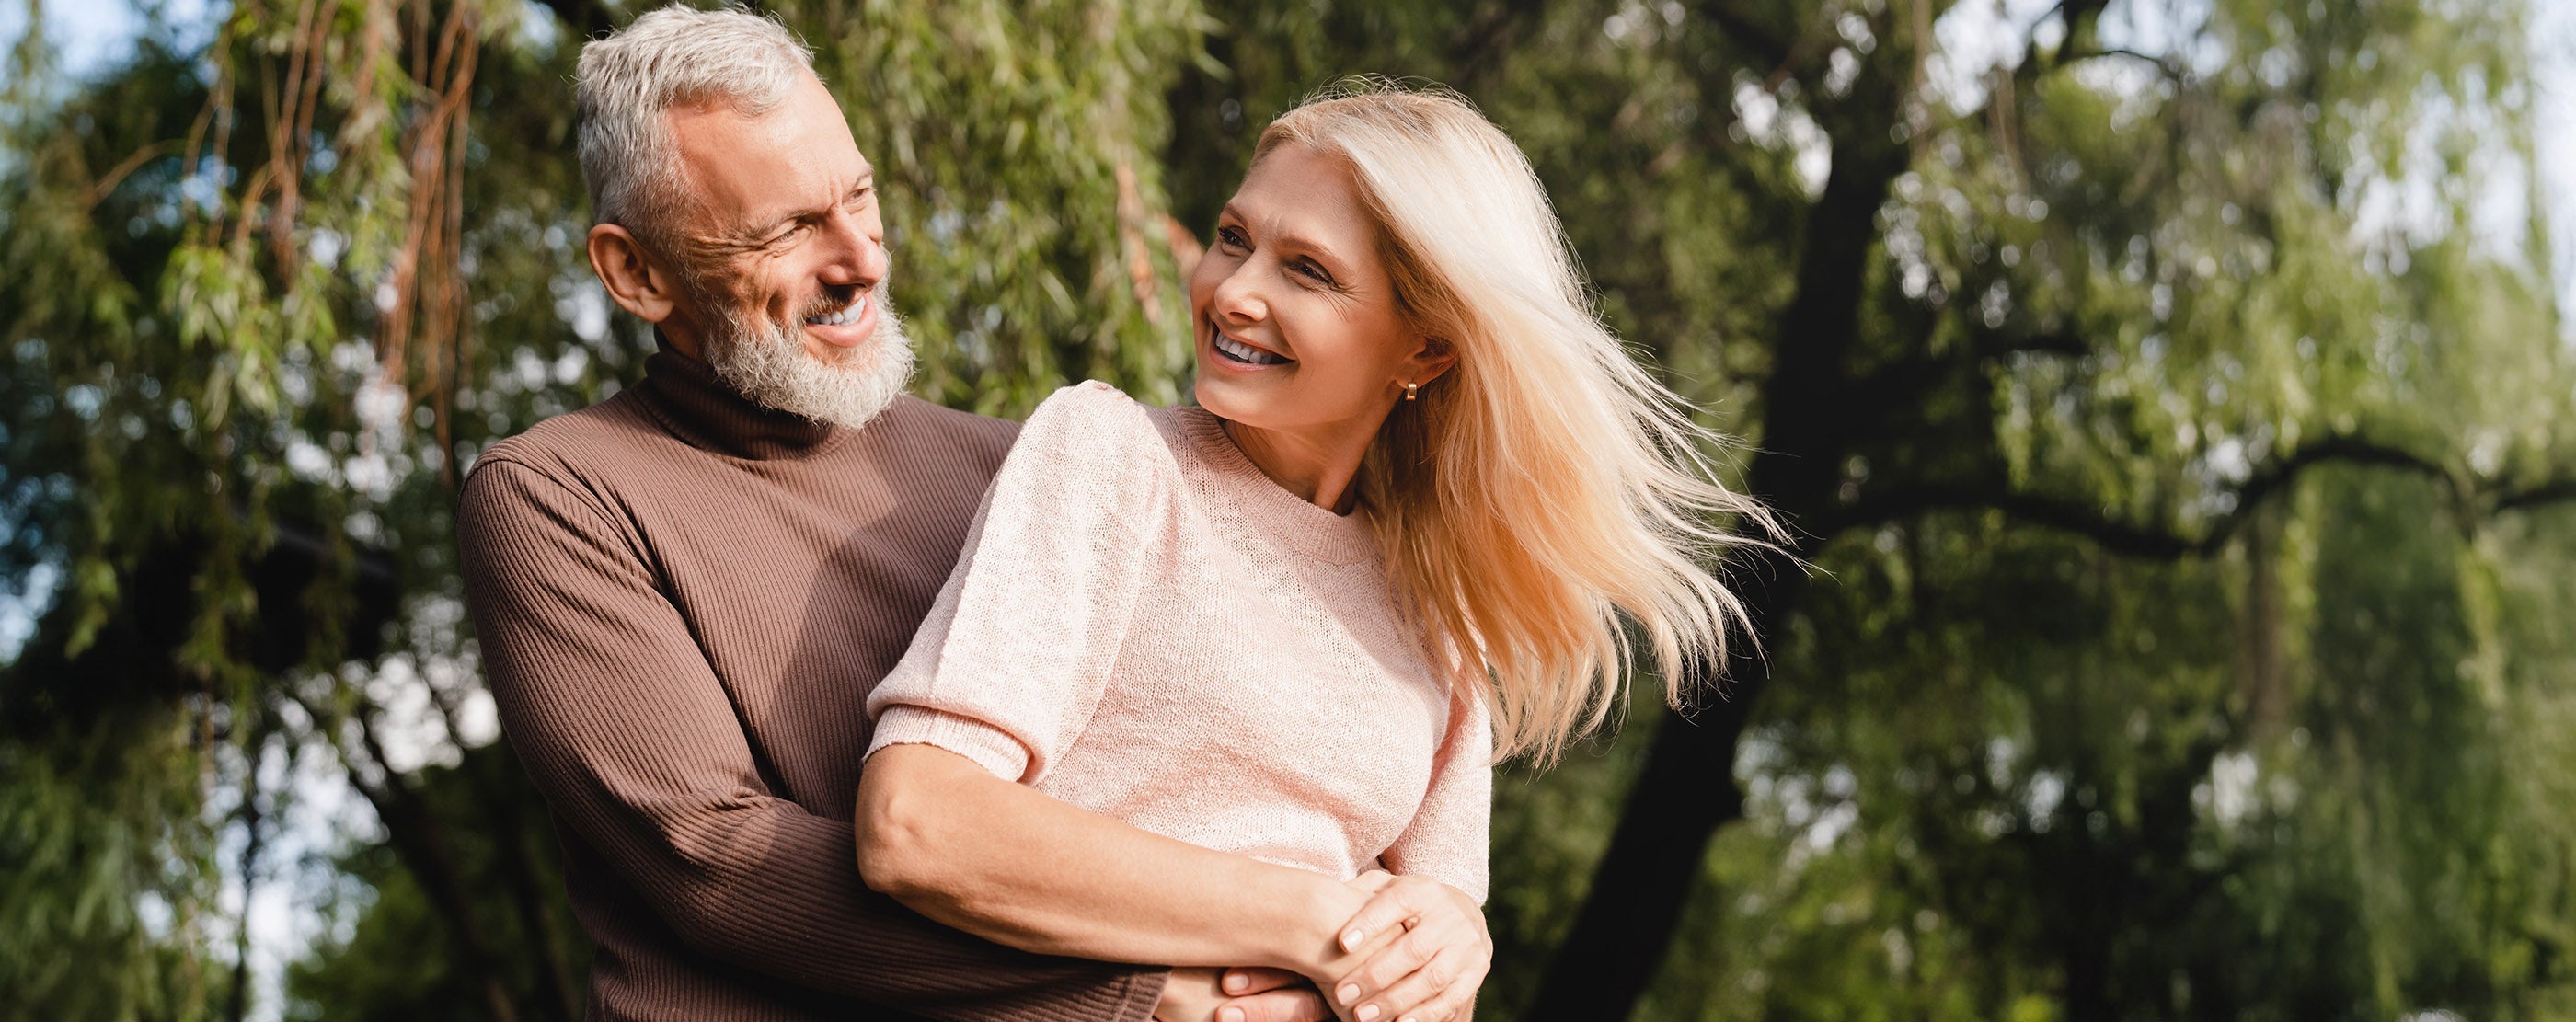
point(1492, 34)
point(1762, 41)
point(1903, 381)
point(2156, 542)
point(2064, 514)
point(2053, 342)
point(419, 844)
point(2555, 491)
point(2078, 41)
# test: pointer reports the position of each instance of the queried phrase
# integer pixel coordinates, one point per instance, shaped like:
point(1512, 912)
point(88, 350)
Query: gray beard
point(769, 364)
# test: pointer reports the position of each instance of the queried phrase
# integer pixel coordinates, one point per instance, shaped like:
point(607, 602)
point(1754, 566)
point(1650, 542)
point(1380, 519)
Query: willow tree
point(2130, 297)
point(2172, 422)
point(263, 297)
point(2124, 380)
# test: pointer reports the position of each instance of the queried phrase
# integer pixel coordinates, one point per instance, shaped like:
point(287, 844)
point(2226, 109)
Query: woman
point(1296, 624)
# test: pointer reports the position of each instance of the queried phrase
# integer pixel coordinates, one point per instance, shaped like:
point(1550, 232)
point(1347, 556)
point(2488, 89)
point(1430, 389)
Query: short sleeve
point(1012, 660)
point(1448, 840)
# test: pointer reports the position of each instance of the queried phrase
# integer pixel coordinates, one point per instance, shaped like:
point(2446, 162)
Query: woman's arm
point(1442, 958)
point(944, 836)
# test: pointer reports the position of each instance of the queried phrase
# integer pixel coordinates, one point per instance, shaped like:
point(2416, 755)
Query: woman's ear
point(639, 283)
point(1434, 357)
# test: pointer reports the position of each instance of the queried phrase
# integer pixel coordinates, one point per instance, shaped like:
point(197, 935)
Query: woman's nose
point(1237, 299)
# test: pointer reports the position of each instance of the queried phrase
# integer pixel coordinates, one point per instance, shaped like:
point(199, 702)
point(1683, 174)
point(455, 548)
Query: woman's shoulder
point(1091, 414)
point(1092, 433)
point(1088, 403)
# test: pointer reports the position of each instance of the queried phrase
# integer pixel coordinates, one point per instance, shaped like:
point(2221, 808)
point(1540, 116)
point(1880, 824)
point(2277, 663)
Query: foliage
point(390, 955)
point(2175, 429)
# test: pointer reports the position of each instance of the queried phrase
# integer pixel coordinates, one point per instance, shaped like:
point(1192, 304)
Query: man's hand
point(1240, 995)
point(1424, 951)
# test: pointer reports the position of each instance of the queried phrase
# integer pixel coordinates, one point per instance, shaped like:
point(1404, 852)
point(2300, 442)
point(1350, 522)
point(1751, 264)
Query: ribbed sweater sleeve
point(627, 731)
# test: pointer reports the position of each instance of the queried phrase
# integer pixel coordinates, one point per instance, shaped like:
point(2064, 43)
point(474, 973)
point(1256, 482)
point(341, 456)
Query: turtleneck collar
point(686, 395)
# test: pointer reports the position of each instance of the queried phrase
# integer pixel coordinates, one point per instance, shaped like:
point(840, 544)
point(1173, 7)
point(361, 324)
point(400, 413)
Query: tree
point(2172, 629)
point(2102, 302)
point(305, 286)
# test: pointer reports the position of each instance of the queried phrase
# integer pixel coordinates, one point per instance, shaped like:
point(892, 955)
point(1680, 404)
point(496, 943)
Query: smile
point(844, 317)
point(1238, 351)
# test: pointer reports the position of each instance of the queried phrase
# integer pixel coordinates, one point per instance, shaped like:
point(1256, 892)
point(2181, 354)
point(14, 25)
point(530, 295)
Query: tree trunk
point(1685, 793)
point(254, 836)
point(559, 991)
point(420, 843)
point(1688, 789)
point(424, 851)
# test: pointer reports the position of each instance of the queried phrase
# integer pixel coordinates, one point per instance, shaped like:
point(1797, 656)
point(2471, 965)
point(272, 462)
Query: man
point(684, 593)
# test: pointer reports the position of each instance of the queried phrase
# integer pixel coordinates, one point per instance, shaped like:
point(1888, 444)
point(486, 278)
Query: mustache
point(836, 298)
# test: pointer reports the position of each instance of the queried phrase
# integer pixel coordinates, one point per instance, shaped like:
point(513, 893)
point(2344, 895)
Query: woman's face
point(1297, 323)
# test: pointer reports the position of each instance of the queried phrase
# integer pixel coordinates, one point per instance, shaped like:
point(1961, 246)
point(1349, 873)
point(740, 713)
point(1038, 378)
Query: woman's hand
point(1422, 950)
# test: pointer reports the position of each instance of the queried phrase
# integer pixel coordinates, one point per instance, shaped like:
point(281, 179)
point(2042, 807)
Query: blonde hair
point(1547, 486)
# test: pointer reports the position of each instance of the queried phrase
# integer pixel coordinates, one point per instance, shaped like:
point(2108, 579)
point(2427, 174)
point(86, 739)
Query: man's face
point(785, 261)
point(785, 227)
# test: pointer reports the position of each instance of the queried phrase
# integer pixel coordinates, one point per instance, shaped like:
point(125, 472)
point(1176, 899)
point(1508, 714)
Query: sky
point(2554, 59)
point(1975, 34)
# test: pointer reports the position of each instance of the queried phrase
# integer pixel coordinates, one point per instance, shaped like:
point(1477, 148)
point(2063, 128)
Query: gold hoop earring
point(1409, 389)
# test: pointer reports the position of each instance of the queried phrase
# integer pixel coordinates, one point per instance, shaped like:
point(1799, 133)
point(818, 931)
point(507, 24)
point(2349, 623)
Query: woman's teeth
point(1242, 352)
point(844, 317)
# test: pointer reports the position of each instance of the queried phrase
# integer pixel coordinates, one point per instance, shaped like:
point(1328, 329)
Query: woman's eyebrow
point(1334, 265)
point(1312, 249)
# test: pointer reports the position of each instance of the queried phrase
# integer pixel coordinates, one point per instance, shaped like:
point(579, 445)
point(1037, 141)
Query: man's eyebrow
point(768, 228)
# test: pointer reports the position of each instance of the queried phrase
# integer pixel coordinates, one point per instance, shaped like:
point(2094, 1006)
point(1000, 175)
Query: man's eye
point(1229, 236)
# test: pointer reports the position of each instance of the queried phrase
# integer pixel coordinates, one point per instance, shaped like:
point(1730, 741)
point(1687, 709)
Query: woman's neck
point(1317, 463)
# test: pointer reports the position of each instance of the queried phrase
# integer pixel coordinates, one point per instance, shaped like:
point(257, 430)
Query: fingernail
point(1348, 992)
point(1235, 982)
point(1368, 1013)
point(1351, 939)
point(1230, 1015)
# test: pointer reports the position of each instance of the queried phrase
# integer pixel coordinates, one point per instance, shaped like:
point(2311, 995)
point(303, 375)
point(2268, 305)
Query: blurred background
point(2175, 400)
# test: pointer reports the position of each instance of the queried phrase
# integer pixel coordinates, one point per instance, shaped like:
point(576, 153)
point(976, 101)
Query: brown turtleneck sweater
point(683, 600)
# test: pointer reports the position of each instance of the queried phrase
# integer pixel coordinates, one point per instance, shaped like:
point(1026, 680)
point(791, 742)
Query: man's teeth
point(1242, 352)
point(844, 317)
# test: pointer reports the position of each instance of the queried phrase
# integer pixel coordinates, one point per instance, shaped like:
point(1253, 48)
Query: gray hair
point(675, 56)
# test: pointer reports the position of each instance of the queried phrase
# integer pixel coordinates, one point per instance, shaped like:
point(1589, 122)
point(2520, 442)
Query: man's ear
point(1435, 357)
point(639, 282)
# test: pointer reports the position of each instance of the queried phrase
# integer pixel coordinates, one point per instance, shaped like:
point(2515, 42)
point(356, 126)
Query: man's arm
point(625, 729)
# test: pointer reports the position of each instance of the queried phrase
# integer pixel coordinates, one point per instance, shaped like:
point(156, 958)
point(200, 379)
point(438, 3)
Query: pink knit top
point(1146, 626)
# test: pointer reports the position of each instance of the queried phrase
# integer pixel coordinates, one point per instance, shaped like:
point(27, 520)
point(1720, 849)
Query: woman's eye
point(1315, 272)
point(1229, 236)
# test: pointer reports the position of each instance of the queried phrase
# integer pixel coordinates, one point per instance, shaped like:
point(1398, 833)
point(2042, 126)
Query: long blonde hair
point(1547, 486)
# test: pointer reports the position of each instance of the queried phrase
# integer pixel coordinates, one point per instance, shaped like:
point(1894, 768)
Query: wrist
point(1315, 937)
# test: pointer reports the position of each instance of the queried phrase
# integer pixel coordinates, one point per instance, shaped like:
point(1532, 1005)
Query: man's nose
point(856, 256)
